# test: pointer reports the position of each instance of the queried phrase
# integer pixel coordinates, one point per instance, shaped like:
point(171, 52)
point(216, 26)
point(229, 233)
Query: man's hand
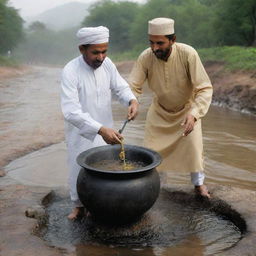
point(188, 124)
point(110, 136)
point(133, 109)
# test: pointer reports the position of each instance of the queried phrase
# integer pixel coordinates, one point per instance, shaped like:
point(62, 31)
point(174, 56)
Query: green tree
point(193, 20)
point(11, 31)
point(236, 22)
point(44, 46)
point(36, 26)
point(118, 17)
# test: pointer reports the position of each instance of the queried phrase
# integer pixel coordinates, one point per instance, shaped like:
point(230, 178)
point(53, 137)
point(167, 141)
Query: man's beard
point(93, 63)
point(96, 64)
point(162, 54)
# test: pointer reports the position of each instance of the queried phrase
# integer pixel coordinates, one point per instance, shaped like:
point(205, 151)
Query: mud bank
point(235, 90)
point(10, 72)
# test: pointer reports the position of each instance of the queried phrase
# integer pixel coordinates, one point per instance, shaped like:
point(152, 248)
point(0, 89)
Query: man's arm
point(121, 89)
point(109, 135)
point(133, 109)
point(71, 107)
point(138, 76)
point(202, 89)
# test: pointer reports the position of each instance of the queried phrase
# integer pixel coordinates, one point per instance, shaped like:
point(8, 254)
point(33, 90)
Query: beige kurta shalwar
point(181, 86)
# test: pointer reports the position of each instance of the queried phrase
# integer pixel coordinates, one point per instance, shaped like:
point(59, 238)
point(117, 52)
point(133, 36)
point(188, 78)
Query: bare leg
point(202, 191)
point(76, 212)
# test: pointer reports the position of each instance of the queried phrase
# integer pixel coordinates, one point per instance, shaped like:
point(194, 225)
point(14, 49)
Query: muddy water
point(169, 228)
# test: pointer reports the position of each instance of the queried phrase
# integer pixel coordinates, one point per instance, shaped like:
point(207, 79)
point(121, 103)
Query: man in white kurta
point(182, 95)
point(87, 85)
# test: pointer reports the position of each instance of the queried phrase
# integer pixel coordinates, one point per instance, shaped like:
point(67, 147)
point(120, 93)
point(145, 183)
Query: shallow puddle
point(169, 228)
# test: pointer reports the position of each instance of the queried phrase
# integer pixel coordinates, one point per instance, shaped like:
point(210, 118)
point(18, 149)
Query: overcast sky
point(30, 8)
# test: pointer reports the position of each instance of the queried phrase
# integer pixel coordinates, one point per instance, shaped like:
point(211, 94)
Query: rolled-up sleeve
point(71, 107)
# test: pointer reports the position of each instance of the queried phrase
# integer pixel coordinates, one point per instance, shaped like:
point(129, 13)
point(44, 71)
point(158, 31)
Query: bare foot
point(76, 212)
point(202, 191)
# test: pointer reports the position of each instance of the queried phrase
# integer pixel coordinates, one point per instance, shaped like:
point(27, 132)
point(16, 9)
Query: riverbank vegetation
point(222, 30)
point(233, 57)
point(11, 31)
point(10, 62)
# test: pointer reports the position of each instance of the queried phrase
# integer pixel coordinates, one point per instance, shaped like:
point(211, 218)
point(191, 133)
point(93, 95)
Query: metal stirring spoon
point(125, 122)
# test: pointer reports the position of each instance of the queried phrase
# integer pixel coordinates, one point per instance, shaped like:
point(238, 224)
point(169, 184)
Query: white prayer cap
point(161, 26)
point(93, 35)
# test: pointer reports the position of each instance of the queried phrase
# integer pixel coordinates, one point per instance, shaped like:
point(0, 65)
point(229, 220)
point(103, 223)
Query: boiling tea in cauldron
point(117, 165)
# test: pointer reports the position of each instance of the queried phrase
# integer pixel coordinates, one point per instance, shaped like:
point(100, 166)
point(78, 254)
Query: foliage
point(200, 23)
point(234, 57)
point(125, 55)
point(236, 22)
point(117, 16)
point(10, 27)
point(6, 61)
point(36, 26)
point(42, 45)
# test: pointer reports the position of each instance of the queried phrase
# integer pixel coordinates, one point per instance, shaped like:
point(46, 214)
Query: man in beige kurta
point(182, 95)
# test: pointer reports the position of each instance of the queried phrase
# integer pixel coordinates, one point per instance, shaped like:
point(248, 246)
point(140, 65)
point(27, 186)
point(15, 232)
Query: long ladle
point(125, 122)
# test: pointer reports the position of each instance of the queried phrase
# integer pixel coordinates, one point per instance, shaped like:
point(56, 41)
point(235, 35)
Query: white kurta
point(86, 95)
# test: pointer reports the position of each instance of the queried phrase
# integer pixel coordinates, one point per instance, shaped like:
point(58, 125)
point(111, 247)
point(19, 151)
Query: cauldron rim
point(156, 159)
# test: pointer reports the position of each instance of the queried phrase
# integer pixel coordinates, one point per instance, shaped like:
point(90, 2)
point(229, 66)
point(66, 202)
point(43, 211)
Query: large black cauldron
point(119, 196)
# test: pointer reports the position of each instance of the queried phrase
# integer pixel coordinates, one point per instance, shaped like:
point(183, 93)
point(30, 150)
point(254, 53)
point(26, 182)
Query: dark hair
point(85, 46)
point(170, 37)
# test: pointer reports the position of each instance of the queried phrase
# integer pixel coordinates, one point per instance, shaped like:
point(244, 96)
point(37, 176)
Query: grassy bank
point(123, 56)
point(234, 57)
point(8, 62)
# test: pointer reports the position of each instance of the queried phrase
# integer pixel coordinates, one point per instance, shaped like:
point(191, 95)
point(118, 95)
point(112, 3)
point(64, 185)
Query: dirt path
point(10, 72)
point(30, 113)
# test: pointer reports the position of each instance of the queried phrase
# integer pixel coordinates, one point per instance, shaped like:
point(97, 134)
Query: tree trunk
point(254, 41)
point(254, 25)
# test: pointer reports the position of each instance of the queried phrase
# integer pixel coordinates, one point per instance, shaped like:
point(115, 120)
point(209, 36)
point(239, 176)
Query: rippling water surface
point(169, 228)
